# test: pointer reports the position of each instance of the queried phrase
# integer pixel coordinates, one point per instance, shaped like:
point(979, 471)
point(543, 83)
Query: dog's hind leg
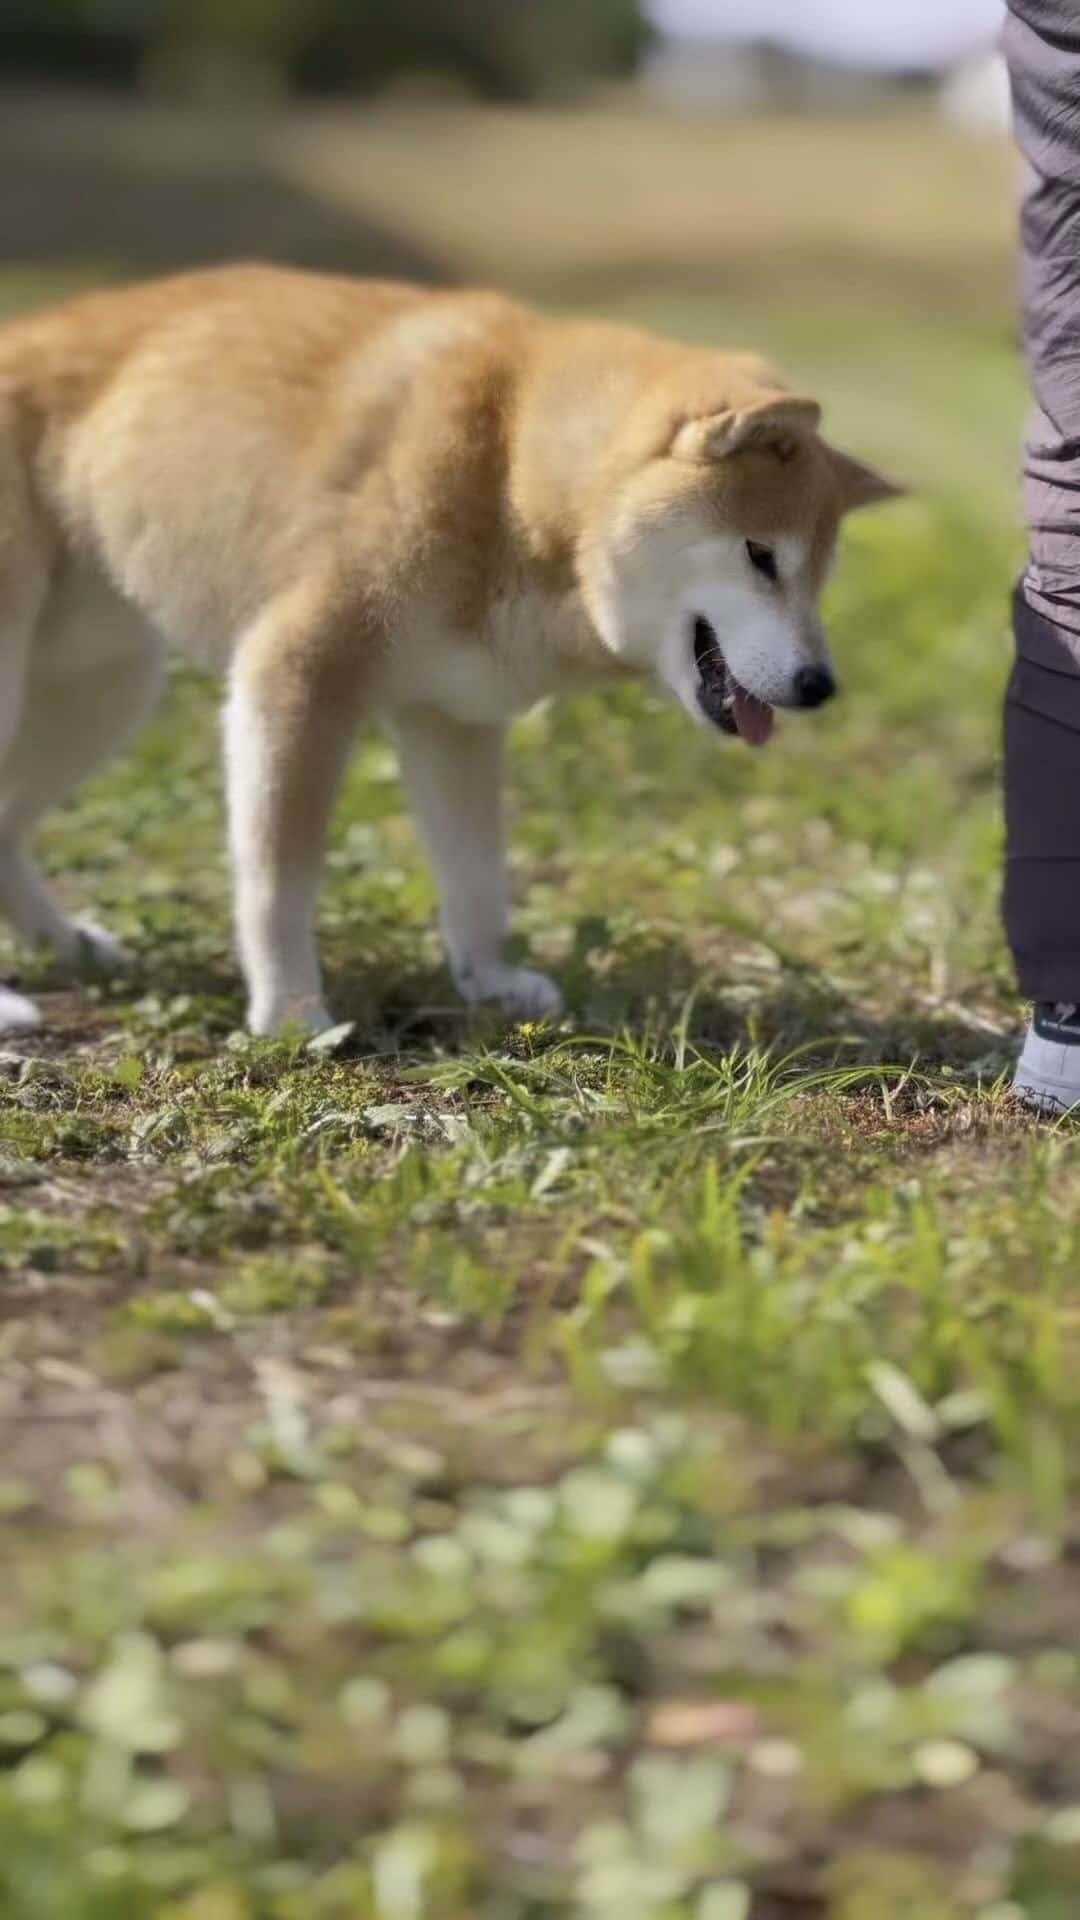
point(83, 697)
point(23, 589)
point(16, 632)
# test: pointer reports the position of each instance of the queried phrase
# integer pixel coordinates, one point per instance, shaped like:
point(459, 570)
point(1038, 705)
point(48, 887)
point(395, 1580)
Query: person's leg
point(1042, 721)
point(1042, 872)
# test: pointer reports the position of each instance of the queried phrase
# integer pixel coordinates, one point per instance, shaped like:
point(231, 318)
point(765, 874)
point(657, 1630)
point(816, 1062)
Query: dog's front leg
point(290, 717)
point(453, 775)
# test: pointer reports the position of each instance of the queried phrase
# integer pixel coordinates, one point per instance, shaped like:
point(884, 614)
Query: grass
point(625, 1468)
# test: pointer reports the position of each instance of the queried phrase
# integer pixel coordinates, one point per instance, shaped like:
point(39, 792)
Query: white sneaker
point(1048, 1076)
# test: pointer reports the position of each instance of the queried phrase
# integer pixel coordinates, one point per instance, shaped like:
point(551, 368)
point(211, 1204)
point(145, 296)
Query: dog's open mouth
point(722, 700)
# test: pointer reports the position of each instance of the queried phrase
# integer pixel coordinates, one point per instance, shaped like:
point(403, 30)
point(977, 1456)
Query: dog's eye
point(763, 561)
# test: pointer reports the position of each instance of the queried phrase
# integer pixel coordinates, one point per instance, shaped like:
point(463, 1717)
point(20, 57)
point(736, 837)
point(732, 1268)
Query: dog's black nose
point(813, 686)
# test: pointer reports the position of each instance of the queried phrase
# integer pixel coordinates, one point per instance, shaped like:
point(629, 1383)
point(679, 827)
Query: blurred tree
point(505, 49)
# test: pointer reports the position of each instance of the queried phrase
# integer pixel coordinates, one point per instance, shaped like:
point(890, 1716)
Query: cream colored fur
point(355, 498)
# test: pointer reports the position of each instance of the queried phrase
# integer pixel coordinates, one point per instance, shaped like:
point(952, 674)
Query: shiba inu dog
point(355, 497)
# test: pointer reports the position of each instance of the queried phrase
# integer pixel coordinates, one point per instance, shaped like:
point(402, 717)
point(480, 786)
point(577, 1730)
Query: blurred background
point(834, 183)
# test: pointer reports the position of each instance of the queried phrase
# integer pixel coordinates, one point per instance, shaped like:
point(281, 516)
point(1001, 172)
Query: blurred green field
point(627, 1469)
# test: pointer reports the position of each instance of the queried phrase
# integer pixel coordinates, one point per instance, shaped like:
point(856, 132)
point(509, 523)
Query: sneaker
point(1048, 1077)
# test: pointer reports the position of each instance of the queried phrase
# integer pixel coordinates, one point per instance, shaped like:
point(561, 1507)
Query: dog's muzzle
point(725, 703)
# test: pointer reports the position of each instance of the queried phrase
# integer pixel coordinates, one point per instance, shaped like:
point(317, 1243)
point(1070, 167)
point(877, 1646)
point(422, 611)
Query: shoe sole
point(1043, 1098)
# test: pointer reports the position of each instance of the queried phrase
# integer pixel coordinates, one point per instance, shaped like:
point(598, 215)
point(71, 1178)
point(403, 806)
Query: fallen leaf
point(698, 1723)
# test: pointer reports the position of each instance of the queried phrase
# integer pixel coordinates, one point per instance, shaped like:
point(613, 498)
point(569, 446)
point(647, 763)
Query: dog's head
point(707, 561)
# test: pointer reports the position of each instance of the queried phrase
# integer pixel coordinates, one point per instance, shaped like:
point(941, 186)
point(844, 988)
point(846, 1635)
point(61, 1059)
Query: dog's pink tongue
point(753, 718)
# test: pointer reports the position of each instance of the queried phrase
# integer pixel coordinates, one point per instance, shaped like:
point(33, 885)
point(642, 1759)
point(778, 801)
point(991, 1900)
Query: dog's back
point(111, 405)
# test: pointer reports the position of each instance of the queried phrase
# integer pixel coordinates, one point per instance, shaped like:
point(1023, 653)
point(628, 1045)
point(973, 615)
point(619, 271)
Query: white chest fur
point(531, 649)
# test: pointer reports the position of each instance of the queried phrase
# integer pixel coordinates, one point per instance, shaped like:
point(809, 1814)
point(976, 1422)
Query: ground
point(623, 1468)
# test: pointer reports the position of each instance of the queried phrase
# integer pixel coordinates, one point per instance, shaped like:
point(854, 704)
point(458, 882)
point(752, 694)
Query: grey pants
point(1042, 718)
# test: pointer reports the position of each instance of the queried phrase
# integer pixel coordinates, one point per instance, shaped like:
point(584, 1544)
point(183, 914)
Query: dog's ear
point(773, 425)
point(860, 486)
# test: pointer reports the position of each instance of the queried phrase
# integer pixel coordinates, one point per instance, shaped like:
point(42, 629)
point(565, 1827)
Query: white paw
point(84, 947)
point(17, 1014)
point(518, 990)
point(305, 1015)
